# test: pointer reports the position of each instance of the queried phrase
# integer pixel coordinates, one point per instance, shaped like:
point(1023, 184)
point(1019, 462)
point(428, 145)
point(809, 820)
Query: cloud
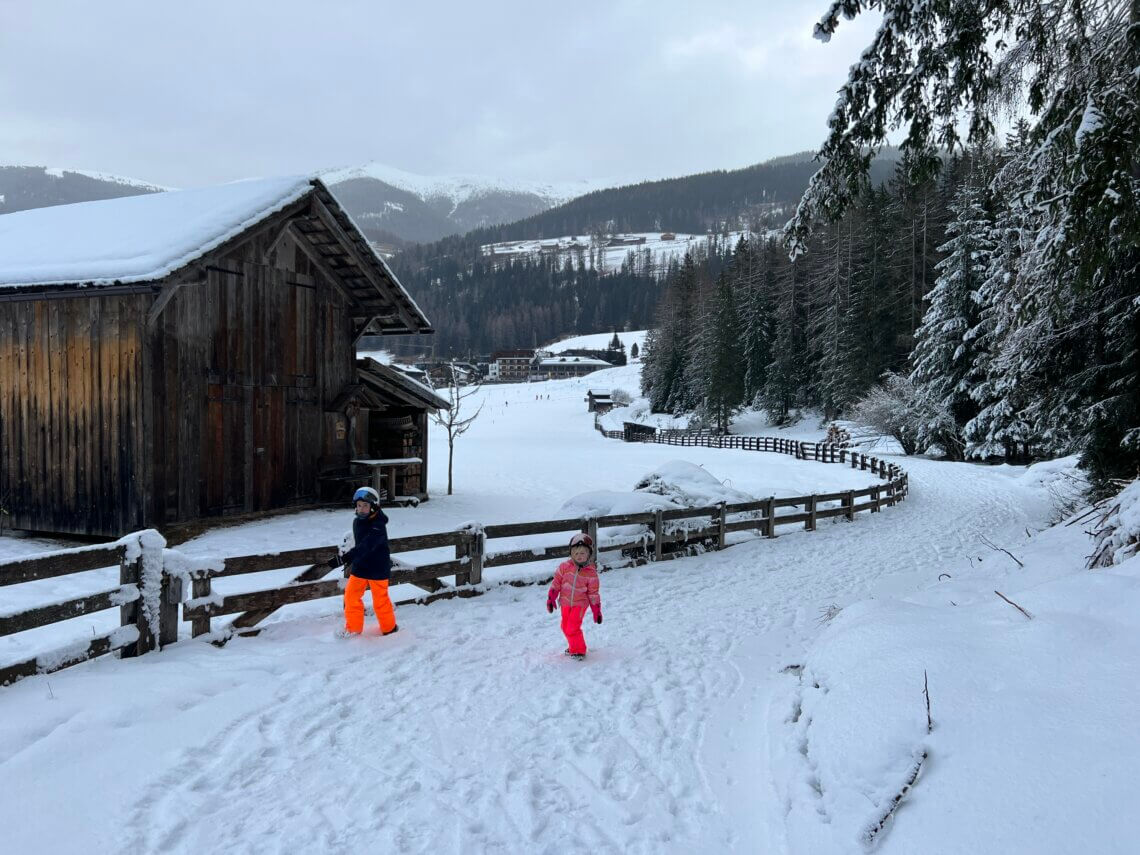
point(186, 94)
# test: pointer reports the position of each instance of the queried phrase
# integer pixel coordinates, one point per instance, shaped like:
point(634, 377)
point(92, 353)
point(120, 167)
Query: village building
point(599, 401)
point(560, 367)
point(510, 366)
point(185, 355)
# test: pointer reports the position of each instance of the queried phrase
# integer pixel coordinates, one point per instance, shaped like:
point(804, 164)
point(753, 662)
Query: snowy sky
point(185, 94)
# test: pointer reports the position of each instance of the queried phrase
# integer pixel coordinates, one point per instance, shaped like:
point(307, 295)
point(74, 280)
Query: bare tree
point(452, 420)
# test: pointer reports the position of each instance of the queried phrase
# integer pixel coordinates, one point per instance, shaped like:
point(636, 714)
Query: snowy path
point(468, 731)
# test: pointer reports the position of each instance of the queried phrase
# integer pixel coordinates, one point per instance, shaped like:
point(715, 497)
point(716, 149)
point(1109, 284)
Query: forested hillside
point(991, 312)
point(476, 306)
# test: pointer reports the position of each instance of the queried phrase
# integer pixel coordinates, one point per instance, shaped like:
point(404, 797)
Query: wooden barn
point(181, 355)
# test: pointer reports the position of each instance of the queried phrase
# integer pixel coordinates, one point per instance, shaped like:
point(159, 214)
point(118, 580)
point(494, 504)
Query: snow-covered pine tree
point(1006, 382)
point(783, 385)
point(754, 272)
point(943, 360)
point(833, 350)
point(721, 355)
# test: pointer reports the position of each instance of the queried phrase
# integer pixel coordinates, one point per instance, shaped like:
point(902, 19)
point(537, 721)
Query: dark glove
point(334, 562)
point(550, 605)
point(597, 610)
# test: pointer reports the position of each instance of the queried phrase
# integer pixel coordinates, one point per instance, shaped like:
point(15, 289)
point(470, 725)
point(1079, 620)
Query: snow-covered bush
point(891, 409)
point(608, 503)
point(621, 397)
point(1117, 536)
point(899, 409)
point(677, 484)
point(689, 486)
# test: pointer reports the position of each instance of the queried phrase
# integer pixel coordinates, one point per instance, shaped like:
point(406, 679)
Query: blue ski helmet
point(366, 494)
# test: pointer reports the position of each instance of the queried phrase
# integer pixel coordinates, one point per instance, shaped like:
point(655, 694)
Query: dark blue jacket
point(370, 558)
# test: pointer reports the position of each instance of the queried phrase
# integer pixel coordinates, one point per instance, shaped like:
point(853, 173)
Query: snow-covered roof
point(135, 238)
point(574, 360)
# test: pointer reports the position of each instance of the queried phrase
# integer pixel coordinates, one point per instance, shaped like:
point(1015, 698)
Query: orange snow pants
point(572, 628)
point(354, 604)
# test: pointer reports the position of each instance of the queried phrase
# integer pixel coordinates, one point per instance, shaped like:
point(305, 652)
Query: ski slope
point(469, 731)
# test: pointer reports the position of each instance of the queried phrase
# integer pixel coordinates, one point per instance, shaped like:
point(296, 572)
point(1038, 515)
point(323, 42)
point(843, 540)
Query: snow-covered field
point(766, 698)
point(662, 247)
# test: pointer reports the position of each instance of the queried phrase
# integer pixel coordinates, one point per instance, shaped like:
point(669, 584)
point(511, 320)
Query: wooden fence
point(147, 603)
point(667, 534)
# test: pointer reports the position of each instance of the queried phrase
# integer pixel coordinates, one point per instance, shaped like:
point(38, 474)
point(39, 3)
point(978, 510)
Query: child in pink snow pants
point(575, 587)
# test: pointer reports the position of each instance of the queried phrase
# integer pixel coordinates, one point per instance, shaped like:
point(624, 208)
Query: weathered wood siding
point(73, 393)
point(245, 363)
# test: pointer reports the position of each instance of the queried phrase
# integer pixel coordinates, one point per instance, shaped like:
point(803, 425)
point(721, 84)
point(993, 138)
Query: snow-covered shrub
point(608, 503)
point(1117, 536)
point(621, 397)
point(677, 484)
point(689, 486)
point(898, 408)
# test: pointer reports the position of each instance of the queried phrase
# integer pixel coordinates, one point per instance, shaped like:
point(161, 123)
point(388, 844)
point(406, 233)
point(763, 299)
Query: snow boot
point(394, 629)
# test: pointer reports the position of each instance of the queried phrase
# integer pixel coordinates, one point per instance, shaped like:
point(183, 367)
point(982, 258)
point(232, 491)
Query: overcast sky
point(192, 93)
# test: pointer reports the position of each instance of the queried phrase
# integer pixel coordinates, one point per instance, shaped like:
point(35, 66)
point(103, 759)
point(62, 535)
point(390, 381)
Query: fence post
point(848, 502)
point(809, 506)
point(875, 499)
point(721, 523)
point(658, 533)
point(134, 614)
point(592, 531)
point(863, 462)
point(477, 550)
point(168, 609)
point(130, 572)
point(200, 586)
point(843, 455)
point(463, 550)
point(770, 517)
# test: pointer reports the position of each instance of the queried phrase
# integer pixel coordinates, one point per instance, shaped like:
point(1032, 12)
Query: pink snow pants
point(572, 628)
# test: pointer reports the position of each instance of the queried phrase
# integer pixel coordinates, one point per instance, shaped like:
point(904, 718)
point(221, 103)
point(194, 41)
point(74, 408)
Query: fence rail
point(149, 601)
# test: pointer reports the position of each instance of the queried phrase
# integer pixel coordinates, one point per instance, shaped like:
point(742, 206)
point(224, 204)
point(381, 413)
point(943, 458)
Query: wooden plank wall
point(248, 359)
point(72, 380)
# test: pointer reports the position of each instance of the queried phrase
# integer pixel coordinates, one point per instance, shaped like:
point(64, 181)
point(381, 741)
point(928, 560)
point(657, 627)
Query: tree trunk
point(450, 455)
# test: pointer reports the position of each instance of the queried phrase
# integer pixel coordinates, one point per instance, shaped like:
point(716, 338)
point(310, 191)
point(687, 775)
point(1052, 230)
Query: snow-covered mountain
point(390, 203)
point(25, 187)
point(392, 206)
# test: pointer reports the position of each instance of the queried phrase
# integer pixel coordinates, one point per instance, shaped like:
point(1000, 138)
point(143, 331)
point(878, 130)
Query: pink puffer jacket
point(575, 586)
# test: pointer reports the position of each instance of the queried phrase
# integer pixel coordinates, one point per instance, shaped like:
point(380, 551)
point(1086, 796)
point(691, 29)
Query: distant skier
point(370, 566)
point(575, 587)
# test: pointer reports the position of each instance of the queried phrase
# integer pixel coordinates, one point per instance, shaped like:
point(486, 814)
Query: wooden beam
point(61, 564)
point(56, 612)
point(330, 222)
point(168, 291)
point(314, 257)
point(255, 616)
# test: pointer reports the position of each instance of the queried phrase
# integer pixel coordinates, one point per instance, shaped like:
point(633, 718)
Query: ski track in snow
point(415, 741)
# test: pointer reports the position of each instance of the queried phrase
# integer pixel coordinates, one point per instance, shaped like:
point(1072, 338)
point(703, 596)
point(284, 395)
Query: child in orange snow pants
point(381, 604)
point(575, 587)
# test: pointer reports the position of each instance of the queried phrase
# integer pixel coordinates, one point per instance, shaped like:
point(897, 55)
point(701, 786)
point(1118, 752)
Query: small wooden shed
point(388, 426)
point(182, 355)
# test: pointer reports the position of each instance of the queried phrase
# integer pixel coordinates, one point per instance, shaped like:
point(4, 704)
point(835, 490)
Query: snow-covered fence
point(147, 598)
point(256, 606)
point(151, 577)
point(666, 534)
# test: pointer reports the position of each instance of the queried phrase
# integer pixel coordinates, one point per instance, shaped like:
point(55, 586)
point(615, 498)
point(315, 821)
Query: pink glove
point(597, 610)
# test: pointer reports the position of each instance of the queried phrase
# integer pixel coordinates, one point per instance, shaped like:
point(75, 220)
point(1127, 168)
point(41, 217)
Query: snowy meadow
point(765, 698)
